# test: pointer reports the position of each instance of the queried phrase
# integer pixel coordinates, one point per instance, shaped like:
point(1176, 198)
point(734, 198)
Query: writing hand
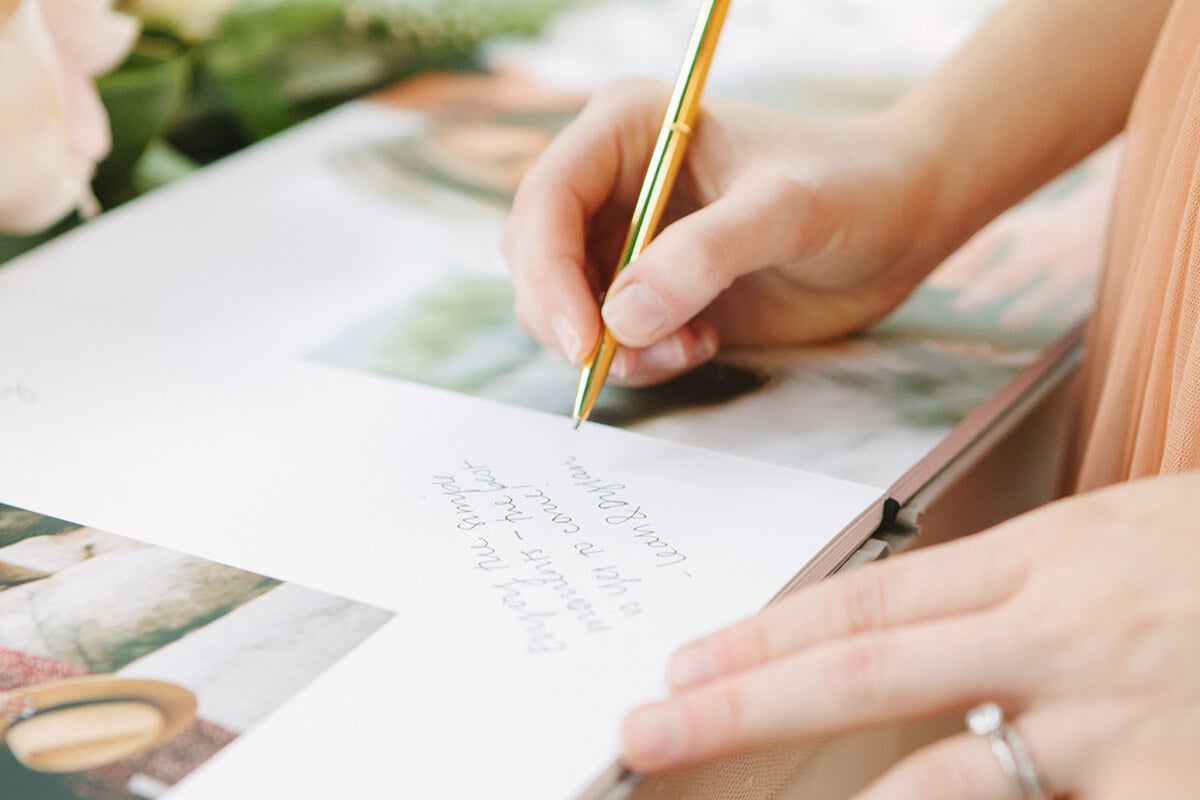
point(780, 230)
point(1082, 619)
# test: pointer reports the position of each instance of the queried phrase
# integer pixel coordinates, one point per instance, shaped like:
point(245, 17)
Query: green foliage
point(142, 98)
point(183, 99)
point(269, 65)
point(12, 245)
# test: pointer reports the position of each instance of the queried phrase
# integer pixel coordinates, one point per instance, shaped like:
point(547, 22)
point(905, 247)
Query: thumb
point(693, 260)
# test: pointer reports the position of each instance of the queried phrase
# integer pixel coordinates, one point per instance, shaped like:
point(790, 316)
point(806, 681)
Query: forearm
point(1041, 85)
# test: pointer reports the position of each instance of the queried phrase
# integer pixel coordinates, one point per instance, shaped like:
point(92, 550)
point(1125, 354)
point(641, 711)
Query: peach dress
point(1141, 412)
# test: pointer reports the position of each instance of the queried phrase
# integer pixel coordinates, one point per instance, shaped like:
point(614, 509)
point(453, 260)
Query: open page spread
point(296, 376)
point(538, 575)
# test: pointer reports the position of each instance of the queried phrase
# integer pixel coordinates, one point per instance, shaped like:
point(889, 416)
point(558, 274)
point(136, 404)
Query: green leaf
point(274, 64)
point(141, 96)
point(12, 246)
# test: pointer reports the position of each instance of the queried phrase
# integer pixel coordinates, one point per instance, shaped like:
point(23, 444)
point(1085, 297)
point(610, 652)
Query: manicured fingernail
point(667, 354)
point(568, 337)
point(689, 666)
point(635, 312)
point(653, 733)
point(707, 348)
point(623, 363)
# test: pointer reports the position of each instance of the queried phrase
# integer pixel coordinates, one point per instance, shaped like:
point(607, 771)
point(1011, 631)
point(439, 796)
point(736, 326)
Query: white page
point(271, 248)
point(486, 683)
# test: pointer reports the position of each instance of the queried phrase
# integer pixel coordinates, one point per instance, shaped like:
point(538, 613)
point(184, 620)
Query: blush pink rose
point(53, 128)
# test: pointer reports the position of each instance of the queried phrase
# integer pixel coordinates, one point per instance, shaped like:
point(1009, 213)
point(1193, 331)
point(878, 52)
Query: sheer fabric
point(1141, 412)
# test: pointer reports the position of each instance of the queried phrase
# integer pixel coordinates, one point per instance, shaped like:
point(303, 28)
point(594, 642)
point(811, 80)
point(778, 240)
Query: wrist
point(930, 190)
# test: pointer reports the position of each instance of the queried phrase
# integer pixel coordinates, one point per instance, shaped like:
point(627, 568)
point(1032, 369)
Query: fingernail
point(689, 666)
point(653, 733)
point(635, 312)
point(568, 337)
point(667, 354)
point(708, 344)
point(623, 363)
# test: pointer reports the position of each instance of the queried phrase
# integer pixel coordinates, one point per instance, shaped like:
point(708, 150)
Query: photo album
point(291, 507)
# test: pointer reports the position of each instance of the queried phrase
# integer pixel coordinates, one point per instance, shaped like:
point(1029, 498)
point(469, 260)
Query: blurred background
point(208, 77)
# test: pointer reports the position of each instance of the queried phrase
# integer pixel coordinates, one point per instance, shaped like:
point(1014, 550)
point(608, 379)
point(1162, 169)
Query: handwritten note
point(566, 557)
point(540, 574)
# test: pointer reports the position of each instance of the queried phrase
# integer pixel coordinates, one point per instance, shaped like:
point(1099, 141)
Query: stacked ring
point(1010, 750)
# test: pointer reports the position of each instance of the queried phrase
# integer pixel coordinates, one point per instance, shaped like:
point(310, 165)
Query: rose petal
point(98, 37)
point(52, 128)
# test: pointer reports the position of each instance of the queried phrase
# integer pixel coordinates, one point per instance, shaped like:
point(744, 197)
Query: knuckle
point(527, 182)
point(714, 720)
point(786, 185)
point(519, 237)
point(863, 605)
point(756, 641)
point(744, 645)
point(804, 198)
point(710, 254)
point(863, 673)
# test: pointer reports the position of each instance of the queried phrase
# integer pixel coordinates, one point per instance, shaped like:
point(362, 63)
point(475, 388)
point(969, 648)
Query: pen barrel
point(678, 124)
point(685, 100)
point(665, 163)
point(593, 375)
point(656, 191)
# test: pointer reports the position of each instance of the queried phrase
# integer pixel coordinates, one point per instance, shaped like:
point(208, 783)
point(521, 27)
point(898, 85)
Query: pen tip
point(577, 421)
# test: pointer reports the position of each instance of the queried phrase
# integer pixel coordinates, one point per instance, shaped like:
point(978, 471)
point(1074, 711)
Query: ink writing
point(611, 497)
point(559, 571)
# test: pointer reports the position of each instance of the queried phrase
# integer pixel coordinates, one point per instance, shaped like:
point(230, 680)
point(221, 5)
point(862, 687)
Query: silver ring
point(987, 719)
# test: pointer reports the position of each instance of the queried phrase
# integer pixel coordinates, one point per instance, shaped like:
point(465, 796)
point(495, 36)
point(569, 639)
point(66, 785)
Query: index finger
point(595, 161)
point(839, 686)
point(960, 577)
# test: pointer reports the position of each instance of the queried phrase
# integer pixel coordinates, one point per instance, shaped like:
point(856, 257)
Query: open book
point(300, 365)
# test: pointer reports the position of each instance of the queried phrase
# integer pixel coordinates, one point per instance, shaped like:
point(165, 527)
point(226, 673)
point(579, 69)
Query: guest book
point(298, 369)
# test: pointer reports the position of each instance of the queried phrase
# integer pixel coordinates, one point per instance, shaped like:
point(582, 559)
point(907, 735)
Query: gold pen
point(660, 177)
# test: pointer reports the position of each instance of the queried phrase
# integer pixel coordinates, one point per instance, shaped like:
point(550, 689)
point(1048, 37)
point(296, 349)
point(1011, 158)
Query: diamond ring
point(987, 720)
